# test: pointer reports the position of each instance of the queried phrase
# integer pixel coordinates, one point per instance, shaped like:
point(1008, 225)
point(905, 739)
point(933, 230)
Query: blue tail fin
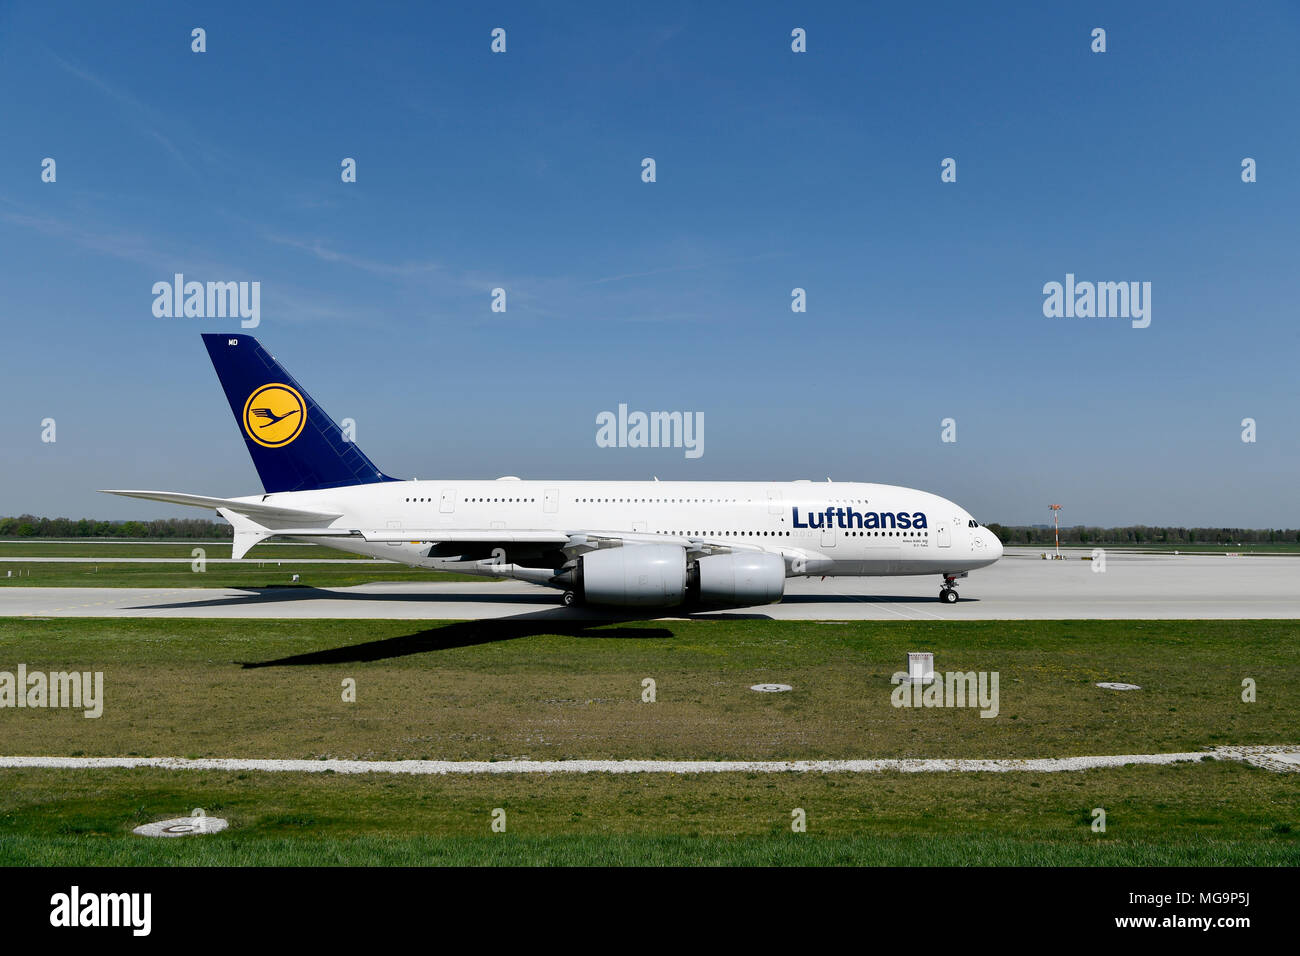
point(294, 444)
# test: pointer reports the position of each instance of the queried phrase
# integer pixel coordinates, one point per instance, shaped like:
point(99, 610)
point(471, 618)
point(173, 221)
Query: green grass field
point(1207, 814)
point(499, 689)
point(495, 690)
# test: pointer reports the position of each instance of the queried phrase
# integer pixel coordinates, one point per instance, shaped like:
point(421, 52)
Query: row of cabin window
point(689, 501)
point(786, 534)
point(654, 501)
point(468, 500)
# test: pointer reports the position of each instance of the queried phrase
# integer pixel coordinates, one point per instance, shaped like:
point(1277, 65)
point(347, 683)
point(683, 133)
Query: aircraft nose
point(993, 544)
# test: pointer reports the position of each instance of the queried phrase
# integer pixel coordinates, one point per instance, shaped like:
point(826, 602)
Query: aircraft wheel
point(570, 599)
point(948, 596)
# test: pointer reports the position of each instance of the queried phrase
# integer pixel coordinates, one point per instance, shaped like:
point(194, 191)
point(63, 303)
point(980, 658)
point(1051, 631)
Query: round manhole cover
point(1112, 685)
point(182, 826)
point(771, 688)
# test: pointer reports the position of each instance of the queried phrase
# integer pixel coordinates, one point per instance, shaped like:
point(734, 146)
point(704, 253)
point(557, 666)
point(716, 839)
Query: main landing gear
point(948, 593)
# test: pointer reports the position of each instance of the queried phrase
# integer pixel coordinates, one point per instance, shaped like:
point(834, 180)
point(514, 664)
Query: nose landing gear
point(948, 593)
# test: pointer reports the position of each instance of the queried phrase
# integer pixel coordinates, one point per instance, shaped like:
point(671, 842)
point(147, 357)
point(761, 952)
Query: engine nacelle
point(741, 579)
point(643, 575)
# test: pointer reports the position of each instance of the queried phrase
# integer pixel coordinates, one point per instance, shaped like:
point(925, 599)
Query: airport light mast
point(1056, 520)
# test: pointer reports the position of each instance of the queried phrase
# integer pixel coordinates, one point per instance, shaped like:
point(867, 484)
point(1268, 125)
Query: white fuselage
point(819, 528)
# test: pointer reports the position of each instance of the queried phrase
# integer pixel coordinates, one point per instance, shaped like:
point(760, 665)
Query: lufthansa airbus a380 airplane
point(645, 544)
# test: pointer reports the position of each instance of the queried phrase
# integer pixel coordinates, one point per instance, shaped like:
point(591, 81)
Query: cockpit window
point(972, 523)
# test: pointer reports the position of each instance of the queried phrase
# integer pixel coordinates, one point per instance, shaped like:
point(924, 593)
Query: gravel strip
point(1256, 755)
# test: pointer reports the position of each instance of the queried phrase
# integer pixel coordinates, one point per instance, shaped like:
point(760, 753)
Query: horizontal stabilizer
point(249, 533)
point(275, 514)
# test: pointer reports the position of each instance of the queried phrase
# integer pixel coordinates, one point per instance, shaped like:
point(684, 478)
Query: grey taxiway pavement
point(1022, 586)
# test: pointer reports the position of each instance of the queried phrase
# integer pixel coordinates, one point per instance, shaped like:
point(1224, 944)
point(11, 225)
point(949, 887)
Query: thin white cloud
point(668, 270)
point(318, 249)
point(147, 119)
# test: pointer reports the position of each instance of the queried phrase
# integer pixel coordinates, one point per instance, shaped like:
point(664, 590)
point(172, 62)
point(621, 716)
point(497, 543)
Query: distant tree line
point(1083, 536)
point(29, 526)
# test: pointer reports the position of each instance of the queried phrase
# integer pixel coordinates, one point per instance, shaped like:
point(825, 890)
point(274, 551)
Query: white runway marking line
point(1269, 758)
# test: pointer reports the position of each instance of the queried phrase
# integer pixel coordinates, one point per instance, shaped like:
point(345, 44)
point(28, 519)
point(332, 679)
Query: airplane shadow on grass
point(582, 622)
point(465, 634)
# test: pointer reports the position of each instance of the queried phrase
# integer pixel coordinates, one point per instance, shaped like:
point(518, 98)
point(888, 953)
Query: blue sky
point(775, 170)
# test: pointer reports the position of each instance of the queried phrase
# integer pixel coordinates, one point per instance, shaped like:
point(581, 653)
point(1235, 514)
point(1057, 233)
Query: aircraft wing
point(472, 536)
point(583, 541)
point(572, 543)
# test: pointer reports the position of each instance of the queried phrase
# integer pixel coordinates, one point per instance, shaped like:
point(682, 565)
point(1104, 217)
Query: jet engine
point(739, 579)
point(643, 575)
point(658, 575)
